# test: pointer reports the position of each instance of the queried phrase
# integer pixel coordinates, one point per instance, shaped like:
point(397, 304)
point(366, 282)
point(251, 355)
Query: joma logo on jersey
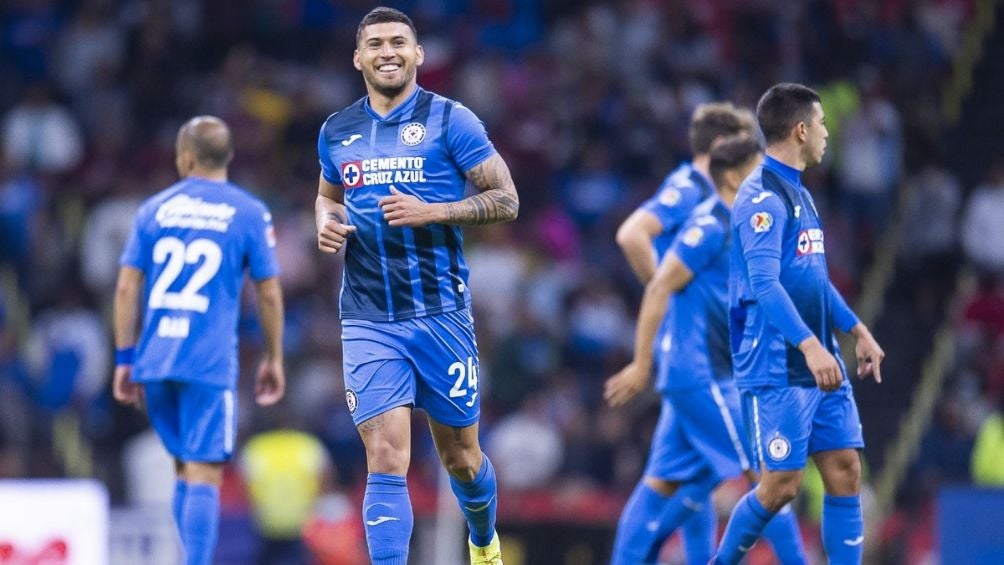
point(810, 242)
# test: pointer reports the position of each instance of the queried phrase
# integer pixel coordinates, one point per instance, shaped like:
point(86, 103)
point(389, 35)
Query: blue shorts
point(429, 362)
point(787, 424)
point(195, 421)
point(699, 430)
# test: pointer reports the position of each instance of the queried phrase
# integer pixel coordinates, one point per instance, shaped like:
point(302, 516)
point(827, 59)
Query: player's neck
point(787, 154)
point(383, 104)
point(702, 164)
point(727, 196)
point(218, 175)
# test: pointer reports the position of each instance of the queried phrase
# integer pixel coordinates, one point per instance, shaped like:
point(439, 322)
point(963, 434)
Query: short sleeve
point(467, 139)
point(672, 204)
point(760, 222)
point(328, 169)
point(699, 243)
point(133, 254)
point(262, 261)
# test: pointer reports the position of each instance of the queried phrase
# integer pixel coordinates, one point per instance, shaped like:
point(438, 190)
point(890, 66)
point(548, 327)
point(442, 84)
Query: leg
point(180, 488)
point(843, 525)
point(472, 477)
point(200, 515)
point(386, 507)
point(782, 532)
point(700, 534)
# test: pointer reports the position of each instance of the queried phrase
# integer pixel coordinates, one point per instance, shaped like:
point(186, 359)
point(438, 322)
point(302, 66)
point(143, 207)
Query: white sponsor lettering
point(183, 211)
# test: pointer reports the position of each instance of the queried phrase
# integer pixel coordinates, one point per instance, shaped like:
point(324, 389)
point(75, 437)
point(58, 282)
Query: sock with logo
point(178, 502)
point(200, 522)
point(388, 519)
point(478, 502)
point(784, 536)
point(843, 529)
point(749, 518)
point(699, 534)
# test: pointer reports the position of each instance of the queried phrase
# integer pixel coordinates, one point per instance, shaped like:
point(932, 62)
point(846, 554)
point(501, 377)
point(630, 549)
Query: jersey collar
point(790, 174)
point(402, 109)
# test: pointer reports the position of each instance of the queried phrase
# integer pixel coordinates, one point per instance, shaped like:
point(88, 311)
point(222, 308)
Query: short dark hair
point(209, 140)
point(782, 107)
point(732, 153)
point(383, 15)
point(714, 120)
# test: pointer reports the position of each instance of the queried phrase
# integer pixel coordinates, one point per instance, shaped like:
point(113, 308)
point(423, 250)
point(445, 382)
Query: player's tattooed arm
point(496, 201)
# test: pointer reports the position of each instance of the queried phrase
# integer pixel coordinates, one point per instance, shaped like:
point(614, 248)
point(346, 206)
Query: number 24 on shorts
point(464, 374)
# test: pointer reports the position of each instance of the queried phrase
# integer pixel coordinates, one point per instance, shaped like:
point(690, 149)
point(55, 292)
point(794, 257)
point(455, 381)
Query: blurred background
point(589, 102)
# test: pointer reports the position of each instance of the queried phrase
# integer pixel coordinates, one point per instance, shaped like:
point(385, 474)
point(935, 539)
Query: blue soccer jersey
point(775, 220)
point(697, 321)
point(423, 147)
point(193, 241)
point(680, 192)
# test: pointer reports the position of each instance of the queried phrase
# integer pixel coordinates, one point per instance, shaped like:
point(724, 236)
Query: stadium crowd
point(589, 103)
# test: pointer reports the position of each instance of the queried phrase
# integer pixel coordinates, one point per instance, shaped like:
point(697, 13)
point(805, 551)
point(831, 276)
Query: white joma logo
point(352, 138)
point(855, 541)
point(760, 197)
point(381, 520)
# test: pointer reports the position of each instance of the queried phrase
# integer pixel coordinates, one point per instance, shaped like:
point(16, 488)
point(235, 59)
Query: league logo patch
point(670, 197)
point(693, 236)
point(412, 134)
point(351, 400)
point(778, 448)
point(761, 222)
point(352, 174)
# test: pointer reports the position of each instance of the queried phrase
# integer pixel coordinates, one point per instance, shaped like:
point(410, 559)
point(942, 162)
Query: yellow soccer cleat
point(488, 555)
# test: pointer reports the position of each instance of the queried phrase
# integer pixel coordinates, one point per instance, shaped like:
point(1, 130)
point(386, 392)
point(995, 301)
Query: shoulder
point(704, 228)
point(245, 201)
point(345, 116)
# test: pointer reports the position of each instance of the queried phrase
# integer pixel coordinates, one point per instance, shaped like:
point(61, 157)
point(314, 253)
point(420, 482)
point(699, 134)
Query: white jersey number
point(176, 254)
point(464, 374)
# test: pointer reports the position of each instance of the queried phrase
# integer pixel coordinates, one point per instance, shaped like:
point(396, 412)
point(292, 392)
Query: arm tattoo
point(496, 201)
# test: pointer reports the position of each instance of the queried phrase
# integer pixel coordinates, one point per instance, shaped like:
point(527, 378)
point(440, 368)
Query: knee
point(203, 473)
point(387, 457)
point(662, 486)
point(462, 463)
point(842, 477)
point(774, 494)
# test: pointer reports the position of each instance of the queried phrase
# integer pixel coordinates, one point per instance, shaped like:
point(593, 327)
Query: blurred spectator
point(104, 235)
point(524, 464)
point(983, 222)
point(39, 134)
point(149, 472)
point(988, 453)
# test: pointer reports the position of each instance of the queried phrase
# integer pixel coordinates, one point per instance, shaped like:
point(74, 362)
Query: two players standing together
point(394, 166)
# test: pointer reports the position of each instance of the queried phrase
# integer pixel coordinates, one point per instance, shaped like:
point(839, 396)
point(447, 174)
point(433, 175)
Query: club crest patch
point(778, 448)
point(412, 134)
point(761, 222)
point(351, 400)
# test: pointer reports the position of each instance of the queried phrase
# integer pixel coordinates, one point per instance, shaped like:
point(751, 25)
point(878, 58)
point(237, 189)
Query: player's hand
point(269, 383)
point(332, 235)
point(400, 210)
point(869, 354)
point(823, 365)
point(124, 390)
point(626, 384)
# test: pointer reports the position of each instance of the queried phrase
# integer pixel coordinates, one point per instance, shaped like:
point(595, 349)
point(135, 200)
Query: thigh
point(378, 376)
point(445, 355)
point(672, 457)
point(208, 422)
point(162, 408)
point(836, 423)
point(780, 425)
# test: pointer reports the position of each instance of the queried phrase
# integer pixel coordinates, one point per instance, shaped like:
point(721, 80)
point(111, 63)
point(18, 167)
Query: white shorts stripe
point(228, 421)
point(730, 425)
point(756, 431)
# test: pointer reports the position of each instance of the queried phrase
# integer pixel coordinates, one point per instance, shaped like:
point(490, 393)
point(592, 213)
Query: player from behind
point(783, 310)
point(698, 441)
point(393, 172)
point(186, 258)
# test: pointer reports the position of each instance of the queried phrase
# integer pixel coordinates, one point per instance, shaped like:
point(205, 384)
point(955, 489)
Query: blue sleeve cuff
point(843, 317)
point(775, 302)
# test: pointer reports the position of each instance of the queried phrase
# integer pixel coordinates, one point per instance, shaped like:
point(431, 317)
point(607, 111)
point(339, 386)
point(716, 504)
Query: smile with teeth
point(388, 67)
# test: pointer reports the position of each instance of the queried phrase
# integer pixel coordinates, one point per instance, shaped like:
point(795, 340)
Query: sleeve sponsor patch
point(761, 222)
point(670, 197)
point(693, 236)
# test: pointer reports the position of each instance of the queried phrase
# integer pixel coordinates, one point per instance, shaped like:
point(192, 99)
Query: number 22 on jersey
point(175, 254)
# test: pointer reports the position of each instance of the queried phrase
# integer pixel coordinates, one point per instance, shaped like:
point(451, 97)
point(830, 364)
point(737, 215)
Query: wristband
point(124, 356)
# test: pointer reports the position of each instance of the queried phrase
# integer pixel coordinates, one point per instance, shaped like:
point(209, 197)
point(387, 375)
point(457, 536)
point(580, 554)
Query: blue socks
point(388, 519)
point(749, 518)
point(785, 538)
point(478, 502)
point(200, 522)
point(649, 518)
point(843, 529)
point(178, 502)
point(699, 535)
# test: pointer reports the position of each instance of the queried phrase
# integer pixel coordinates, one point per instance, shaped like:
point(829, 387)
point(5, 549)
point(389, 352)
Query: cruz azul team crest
point(412, 134)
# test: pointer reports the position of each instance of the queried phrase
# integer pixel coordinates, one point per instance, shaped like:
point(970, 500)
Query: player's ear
point(801, 131)
point(355, 60)
point(420, 55)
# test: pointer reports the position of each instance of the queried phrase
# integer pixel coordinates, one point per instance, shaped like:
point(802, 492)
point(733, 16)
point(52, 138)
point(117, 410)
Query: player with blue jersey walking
point(186, 258)
point(783, 309)
point(394, 166)
point(698, 441)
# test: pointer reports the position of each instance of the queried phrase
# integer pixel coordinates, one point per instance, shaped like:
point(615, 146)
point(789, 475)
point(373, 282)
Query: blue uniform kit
point(193, 242)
